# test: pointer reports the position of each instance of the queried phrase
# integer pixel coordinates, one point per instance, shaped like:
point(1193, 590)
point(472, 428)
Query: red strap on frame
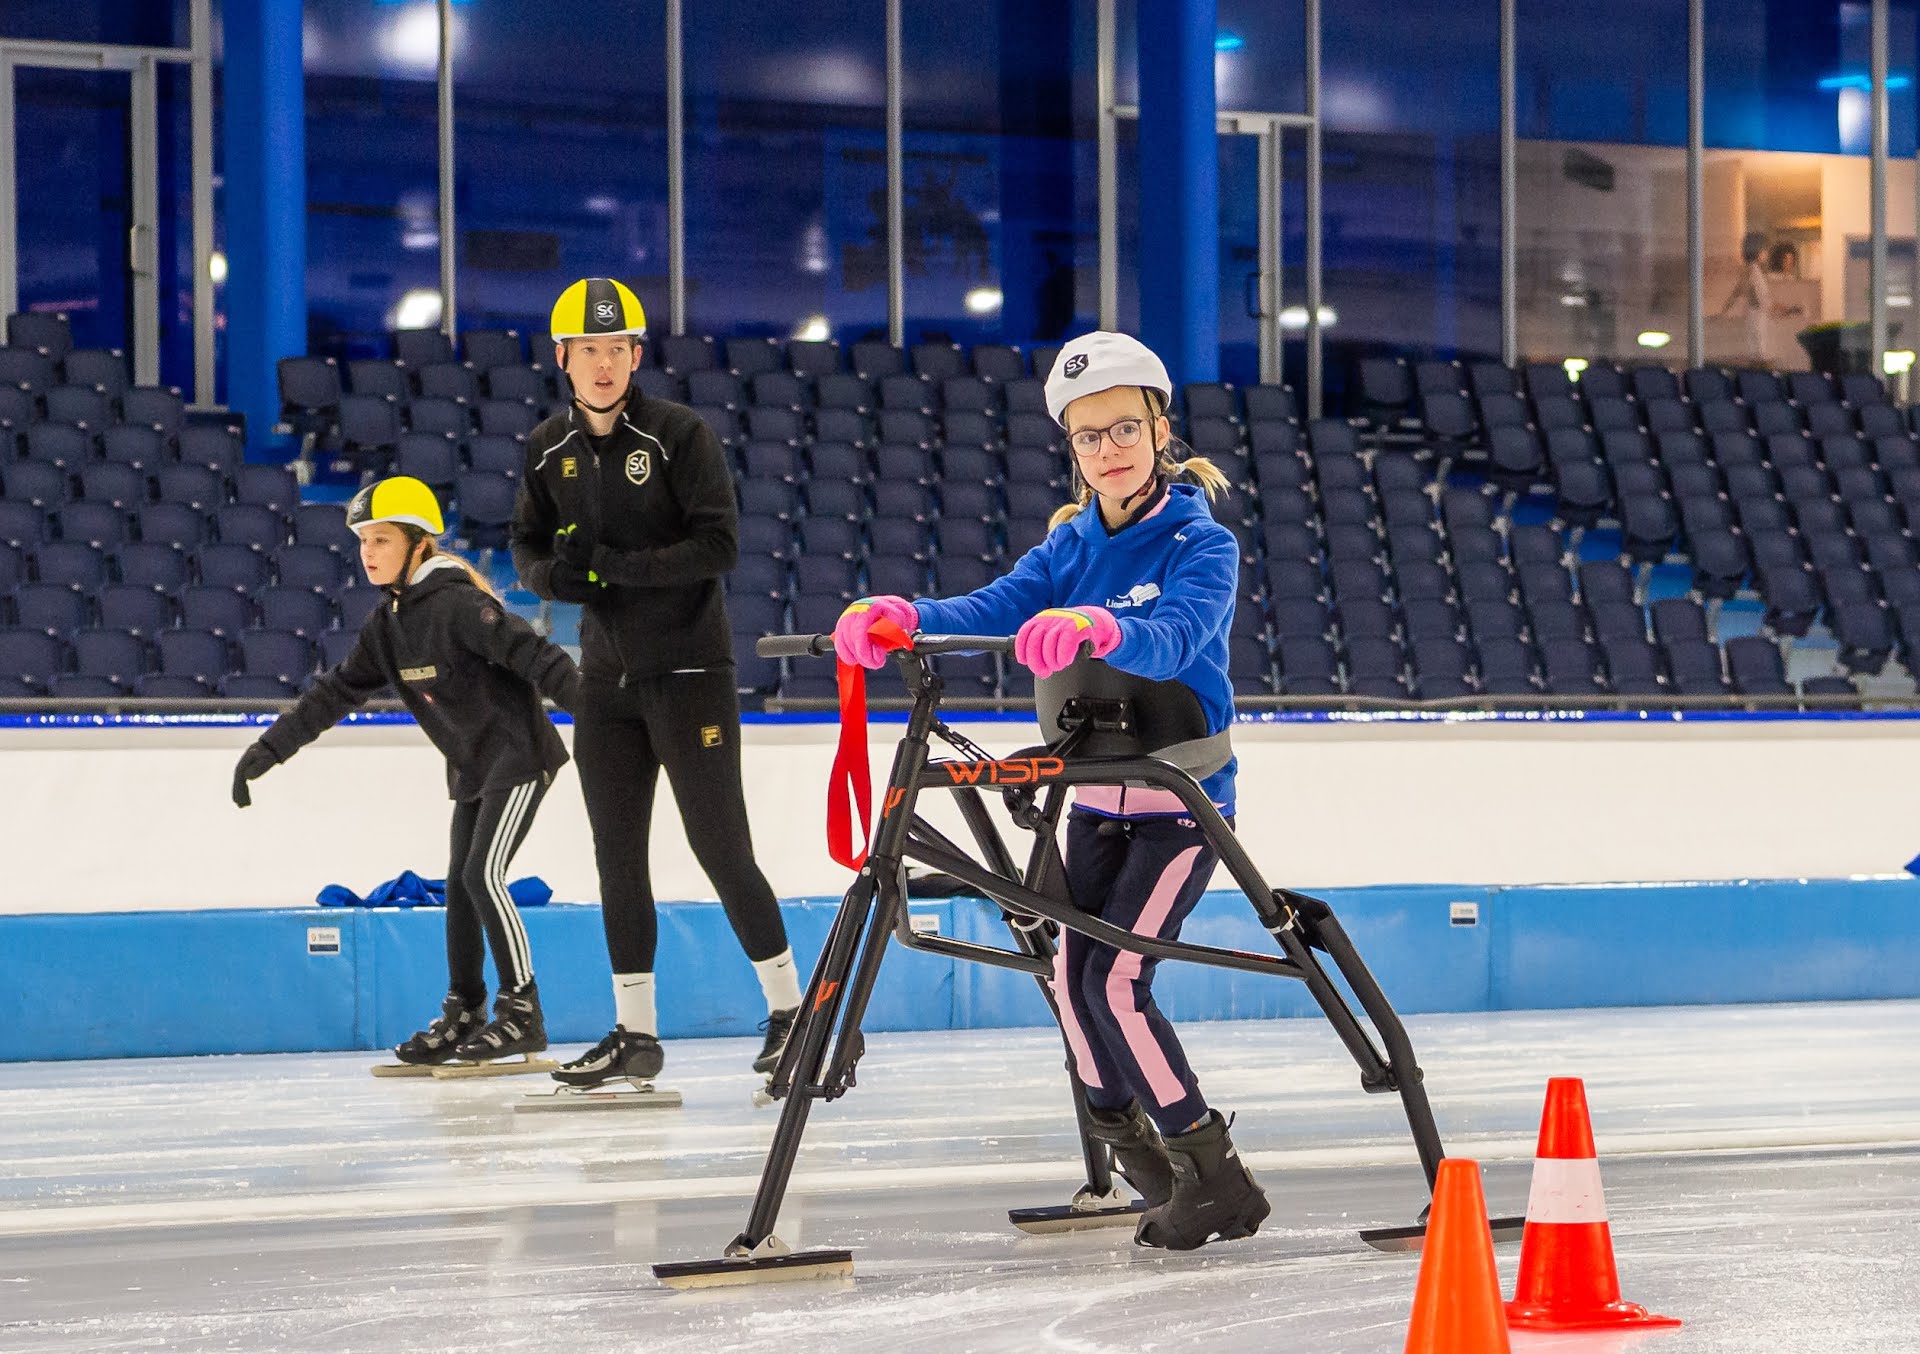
point(850, 785)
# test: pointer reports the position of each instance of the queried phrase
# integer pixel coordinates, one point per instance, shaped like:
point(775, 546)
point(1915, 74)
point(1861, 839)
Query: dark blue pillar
point(1179, 189)
point(263, 122)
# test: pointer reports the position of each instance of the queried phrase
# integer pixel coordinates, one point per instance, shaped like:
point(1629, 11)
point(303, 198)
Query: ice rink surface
point(1762, 1170)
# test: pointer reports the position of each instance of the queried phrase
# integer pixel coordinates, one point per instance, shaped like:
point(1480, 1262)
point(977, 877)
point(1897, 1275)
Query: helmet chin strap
point(598, 409)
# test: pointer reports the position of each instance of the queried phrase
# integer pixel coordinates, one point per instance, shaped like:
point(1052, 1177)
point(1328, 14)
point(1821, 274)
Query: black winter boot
point(517, 1027)
point(1137, 1151)
point(1214, 1195)
point(457, 1023)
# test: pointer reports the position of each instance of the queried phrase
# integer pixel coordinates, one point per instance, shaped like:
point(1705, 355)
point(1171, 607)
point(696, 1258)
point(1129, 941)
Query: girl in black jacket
point(473, 675)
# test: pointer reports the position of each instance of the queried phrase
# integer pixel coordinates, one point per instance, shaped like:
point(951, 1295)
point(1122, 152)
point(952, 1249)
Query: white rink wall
point(130, 819)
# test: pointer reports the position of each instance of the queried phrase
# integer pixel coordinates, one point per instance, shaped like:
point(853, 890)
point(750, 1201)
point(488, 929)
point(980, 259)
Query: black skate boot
point(1137, 1150)
point(1214, 1195)
point(779, 1027)
point(517, 1027)
point(438, 1042)
point(622, 1054)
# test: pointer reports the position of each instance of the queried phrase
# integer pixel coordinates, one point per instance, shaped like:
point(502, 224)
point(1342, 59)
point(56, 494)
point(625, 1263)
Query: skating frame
point(824, 1050)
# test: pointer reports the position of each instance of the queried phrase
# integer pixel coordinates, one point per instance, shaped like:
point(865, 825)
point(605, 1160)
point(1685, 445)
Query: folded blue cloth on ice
point(410, 890)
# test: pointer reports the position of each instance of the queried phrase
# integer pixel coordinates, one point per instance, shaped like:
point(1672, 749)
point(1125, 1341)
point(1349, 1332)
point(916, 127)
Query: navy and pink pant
point(1144, 875)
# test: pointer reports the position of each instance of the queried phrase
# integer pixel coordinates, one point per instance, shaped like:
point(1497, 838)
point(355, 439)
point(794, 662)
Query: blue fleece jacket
point(1170, 580)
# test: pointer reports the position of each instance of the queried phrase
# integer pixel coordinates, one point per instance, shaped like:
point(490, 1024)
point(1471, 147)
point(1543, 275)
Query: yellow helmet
point(597, 306)
point(403, 500)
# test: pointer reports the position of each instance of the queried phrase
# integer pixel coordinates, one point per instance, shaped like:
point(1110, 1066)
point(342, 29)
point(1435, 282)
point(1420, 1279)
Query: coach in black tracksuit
point(627, 506)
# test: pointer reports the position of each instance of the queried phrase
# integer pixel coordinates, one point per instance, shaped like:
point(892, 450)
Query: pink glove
point(1051, 641)
point(853, 639)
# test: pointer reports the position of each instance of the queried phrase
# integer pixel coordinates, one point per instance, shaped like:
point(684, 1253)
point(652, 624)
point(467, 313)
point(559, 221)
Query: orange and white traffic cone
point(1456, 1303)
point(1567, 1277)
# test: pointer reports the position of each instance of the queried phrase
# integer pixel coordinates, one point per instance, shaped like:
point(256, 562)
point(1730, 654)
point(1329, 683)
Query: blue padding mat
point(129, 984)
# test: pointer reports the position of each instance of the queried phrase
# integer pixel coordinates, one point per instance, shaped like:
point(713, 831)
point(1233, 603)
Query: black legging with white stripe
point(486, 833)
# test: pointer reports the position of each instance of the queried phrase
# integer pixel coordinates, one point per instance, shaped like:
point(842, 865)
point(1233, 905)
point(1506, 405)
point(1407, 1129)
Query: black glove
point(255, 762)
point(574, 545)
point(569, 583)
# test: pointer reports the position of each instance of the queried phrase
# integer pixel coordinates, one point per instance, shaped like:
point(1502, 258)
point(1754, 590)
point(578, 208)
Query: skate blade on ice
point(772, 1261)
point(1088, 1210)
point(496, 1067)
point(402, 1069)
point(638, 1095)
point(1396, 1240)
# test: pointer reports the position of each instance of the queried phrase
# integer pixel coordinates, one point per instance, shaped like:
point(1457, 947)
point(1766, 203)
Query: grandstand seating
point(1473, 531)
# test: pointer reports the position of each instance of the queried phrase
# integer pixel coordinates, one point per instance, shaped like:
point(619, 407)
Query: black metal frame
point(826, 1044)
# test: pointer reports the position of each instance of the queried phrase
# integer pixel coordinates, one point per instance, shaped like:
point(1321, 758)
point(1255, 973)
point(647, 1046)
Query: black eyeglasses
point(1124, 435)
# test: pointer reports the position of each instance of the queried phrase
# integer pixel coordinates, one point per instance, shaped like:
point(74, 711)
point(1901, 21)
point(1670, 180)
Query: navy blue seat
point(1632, 665)
point(900, 575)
point(486, 508)
point(169, 686)
point(196, 654)
point(214, 448)
point(98, 524)
point(431, 458)
point(239, 567)
point(1755, 667)
point(72, 564)
point(250, 525)
point(247, 686)
point(195, 485)
point(29, 660)
point(27, 368)
point(215, 609)
point(496, 454)
point(22, 525)
point(418, 348)
point(513, 381)
point(507, 418)
point(59, 444)
point(50, 607)
point(749, 357)
point(135, 609)
point(449, 381)
point(435, 414)
point(720, 389)
point(873, 359)
point(322, 524)
point(937, 361)
point(378, 378)
point(357, 603)
point(154, 565)
point(310, 568)
point(486, 349)
point(118, 656)
point(81, 406)
point(279, 654)
point(683, 353)
point(47, 331)
point(813, 358)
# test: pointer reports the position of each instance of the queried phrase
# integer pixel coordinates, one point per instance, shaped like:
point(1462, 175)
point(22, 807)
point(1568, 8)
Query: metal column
point(1315, 364)
point(896, 189)
point(449, 240)
point(676, 169)
point(1272, 168)
point(1509, 215)
point(143, 227)
point(9, 203)
point(1109, 165)
point(200, 39)
point(1696, 190)
point(1877, 179)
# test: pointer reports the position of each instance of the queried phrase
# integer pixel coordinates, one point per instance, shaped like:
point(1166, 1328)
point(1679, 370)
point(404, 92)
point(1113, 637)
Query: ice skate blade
point(1398, 1240)
point(402, 1069)
point(811, 1265)
point(763, 1095)
point(1067, 1218)
point(621, 1096)
point(497, 1067)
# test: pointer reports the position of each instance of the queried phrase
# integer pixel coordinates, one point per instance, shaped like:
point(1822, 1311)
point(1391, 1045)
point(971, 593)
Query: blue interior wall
point(166, 983)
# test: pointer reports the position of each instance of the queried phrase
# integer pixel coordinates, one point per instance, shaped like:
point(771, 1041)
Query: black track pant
point(689, 723)
point(486, 833)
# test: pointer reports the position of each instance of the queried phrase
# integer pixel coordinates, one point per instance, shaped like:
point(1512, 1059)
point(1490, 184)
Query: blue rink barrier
point(99, 985)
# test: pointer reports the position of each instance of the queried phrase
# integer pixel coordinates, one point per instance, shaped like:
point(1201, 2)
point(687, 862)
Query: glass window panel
point(130, 23)
point(373, 177)
point(558, 177)
point(786, 161)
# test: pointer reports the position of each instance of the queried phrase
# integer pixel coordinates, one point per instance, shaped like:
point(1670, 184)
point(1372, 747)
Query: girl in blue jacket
point(1137, 567)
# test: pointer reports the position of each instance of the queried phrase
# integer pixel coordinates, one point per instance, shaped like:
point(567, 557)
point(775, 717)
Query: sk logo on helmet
point(639, 466)
point(1075, 365)
point(604, 311)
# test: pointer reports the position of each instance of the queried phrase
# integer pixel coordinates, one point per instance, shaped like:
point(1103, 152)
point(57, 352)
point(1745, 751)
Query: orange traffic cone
point(1567, 1279)
point(1456, 1304)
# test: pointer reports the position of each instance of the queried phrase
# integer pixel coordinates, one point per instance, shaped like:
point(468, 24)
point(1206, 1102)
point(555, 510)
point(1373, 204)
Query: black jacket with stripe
point(656, 499)
point(467, 668)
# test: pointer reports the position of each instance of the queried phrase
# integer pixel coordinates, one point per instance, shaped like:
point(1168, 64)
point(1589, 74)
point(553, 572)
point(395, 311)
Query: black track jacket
point(467, 668)
point(656, 498)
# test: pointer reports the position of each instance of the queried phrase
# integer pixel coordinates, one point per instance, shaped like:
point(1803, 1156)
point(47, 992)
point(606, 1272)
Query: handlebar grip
point(793, 646)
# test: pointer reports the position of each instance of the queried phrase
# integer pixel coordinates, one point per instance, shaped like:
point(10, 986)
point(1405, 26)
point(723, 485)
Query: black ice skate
point(779, 1027)
point(1215, 1197)
point(622, 1055)
point(1137, 1150)
point(517, 1028)
point(438, 1042)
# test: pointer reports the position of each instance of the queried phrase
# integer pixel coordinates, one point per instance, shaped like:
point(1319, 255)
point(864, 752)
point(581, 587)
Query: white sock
point(779, 980)
point(633, 1003)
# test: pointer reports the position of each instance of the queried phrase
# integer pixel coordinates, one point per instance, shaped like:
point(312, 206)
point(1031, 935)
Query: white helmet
point(1103, 361)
